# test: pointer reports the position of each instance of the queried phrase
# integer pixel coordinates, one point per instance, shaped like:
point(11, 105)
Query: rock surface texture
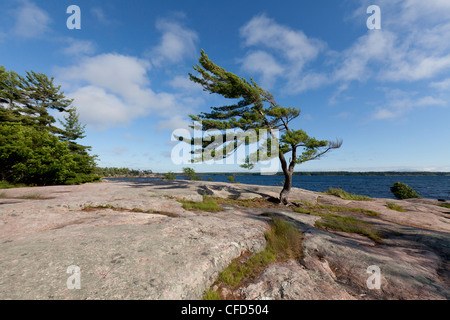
point(134, 240)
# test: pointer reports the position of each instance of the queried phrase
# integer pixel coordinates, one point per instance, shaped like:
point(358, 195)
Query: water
point(431, 187)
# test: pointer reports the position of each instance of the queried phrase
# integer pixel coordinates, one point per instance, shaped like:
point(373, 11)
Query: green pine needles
point(33, 150)
point(255, 109)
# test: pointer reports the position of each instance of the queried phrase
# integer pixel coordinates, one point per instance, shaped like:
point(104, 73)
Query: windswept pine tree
point(256, 109)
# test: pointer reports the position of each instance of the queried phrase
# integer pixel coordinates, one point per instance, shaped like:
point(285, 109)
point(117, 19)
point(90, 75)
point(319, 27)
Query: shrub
point(36, 157)
point(190, 173)
point(231, 179)
point(403, 191)
point(169, 176)
point(5, 185)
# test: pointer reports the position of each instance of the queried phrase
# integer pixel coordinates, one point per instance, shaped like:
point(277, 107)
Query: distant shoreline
point(319, 173)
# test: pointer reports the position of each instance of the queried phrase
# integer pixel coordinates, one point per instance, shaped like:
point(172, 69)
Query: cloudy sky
point(385, 92)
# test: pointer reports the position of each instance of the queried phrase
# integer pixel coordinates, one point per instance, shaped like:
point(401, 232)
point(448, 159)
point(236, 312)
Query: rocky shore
point(136, 241)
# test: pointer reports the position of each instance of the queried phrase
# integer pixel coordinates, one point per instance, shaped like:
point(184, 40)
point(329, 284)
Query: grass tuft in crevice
point(284, 242)
point(308, 208)
point(346, 195)
point(90, 208)
point(395, 207)
point(348, 224)
point(208, 204)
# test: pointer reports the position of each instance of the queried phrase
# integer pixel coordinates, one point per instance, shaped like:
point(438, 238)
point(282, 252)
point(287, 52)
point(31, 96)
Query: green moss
point(7, 185)
point(3, 195)
point(211, 295)
point(309, 208)
point(208, 204)
point(343, 223)
point(120, 209)
point(302, 210)
point(345, 195)
point(445, 205)
point(348, 224)
point(30, 196)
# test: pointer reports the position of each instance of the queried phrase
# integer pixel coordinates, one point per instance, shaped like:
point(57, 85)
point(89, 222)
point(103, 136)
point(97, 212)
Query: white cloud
point(292, 44)
point(100, 109)
point(175, 122)
point(382, 114)
point(441, 85)
point(177, 42)
point(418, 68)
point(310, 80)
point(183, 83)
point(338, 94)
point(413, 44)
point(113, 90)
point(401, 102)
point(377, 46)
point(265, 64)
point(119, 74)
point(100, 15)
point(282, 53)
point(79, 47)
point(31, 21)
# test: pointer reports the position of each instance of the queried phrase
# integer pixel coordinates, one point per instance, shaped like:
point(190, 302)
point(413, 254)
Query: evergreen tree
point(43, 96)
point(12, 96)
point(256, 109)
point(73, 130)
point(31, 156)
point(26, 107)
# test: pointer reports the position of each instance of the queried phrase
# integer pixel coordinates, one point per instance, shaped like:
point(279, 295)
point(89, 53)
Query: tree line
point(35, 149)
point(117, 172)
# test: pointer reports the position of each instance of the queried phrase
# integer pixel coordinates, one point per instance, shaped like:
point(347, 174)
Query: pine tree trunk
point(284, 195)
point(288, 171)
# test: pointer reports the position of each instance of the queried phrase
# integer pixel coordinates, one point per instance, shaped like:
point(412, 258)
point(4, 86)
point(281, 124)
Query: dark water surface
point(431, 187)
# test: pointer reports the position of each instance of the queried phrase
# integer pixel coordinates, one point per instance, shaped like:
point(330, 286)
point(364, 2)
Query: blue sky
point(384, 92)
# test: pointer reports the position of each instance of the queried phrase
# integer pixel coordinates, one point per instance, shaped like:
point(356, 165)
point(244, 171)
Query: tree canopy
point(255, 108)
point(33, 149)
